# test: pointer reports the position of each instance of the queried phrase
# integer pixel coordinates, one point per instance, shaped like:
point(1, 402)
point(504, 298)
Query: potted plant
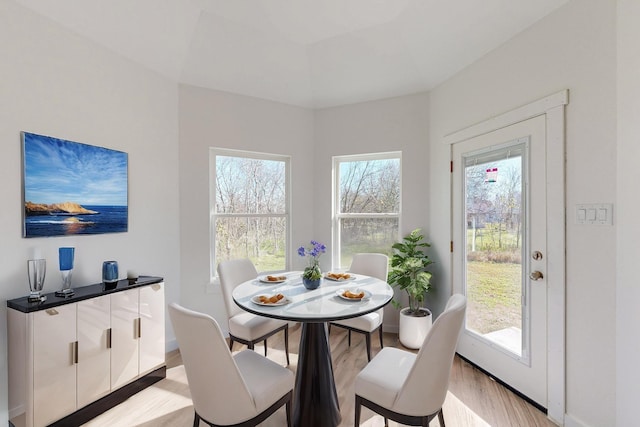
point(312, 274)
point(408, 272)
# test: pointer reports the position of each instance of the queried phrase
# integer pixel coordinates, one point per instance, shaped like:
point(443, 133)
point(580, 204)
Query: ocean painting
point(72, 188)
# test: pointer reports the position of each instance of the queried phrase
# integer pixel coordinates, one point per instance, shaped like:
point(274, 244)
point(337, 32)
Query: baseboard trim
point(570, 421)
point(505, 385)
point(116, 397)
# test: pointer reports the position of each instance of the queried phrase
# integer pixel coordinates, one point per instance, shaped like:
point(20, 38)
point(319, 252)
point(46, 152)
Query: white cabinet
point(70, 357)
point(124, 337)
point(53, 354)
point(94, 352)
point(137, 322)
point(64, 357)
point(151, 333)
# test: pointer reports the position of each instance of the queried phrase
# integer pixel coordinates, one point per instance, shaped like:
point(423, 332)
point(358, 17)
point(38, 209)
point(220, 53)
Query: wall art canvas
point(72, 188)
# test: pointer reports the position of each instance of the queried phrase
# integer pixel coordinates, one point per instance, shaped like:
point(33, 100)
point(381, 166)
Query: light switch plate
point(594, 214)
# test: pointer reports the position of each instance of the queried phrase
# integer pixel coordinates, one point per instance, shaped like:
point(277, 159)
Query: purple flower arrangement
point(312, 272)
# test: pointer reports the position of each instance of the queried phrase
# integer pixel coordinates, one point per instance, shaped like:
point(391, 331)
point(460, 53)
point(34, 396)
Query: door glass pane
point(494, 207)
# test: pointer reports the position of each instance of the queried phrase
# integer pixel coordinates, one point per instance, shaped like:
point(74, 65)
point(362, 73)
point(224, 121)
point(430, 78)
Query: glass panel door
point(499, 232)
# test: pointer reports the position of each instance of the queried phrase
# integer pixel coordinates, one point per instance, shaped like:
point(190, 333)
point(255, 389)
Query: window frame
point(214, 152)
point(337, 216)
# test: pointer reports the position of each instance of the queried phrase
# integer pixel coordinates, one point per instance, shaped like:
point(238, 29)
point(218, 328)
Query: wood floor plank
point(474, 400)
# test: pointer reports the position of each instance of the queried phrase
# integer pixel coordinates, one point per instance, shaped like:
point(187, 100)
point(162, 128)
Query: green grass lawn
point(494, 294)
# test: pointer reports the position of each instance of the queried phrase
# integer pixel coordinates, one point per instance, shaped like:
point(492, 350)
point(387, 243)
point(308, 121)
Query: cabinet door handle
point(136, 328)
point(139, 327)
point(109, 338)
point(75, 353)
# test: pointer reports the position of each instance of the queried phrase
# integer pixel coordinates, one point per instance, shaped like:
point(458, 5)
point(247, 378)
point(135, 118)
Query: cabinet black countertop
point(84, 292)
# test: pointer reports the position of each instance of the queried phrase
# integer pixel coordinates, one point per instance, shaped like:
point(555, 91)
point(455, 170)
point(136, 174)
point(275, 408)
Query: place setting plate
point(273, 279)
point(340, 277)
point(270, 300)
point(353, 294)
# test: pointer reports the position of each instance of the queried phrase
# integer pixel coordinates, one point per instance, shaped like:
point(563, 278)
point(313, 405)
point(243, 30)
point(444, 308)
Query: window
point(366, 205)
point(250, 208)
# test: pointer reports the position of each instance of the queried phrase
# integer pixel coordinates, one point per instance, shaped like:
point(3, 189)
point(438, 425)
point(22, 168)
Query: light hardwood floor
point(473, 398)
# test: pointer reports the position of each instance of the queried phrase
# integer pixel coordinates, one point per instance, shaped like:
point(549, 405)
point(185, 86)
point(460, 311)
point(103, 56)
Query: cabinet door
point(152, 348)
point(94, 355)
point(124, 337)
point(54, 368)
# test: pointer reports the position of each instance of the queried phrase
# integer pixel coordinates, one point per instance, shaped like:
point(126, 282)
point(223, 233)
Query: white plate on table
point(340, 279)
point(283, 301)
point(340, 293)
point(281, 279)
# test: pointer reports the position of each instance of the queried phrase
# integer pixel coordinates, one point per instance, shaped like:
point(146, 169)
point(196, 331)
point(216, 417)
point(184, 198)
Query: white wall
point(628, 291)
point(55, 83)
point(395, 124)
point(217, 119)
point(572, 48)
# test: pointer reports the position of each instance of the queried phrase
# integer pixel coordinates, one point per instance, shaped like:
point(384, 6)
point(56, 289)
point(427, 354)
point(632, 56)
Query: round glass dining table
point(315, 400)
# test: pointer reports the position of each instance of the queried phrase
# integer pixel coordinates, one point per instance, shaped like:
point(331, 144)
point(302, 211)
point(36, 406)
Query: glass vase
point(65, 257)
point(110, 272)
point(36, 270)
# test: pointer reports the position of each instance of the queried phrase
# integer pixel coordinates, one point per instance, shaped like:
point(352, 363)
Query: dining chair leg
point(265, 347)
point(286, 343)
point(349, 340)
point(380, 333)
point(230, 344)
point(288, 410)
point(386, 422)
point(196, 419)
point(368, 338)
point(357, 412)
point(441, 418)
point(250, 345)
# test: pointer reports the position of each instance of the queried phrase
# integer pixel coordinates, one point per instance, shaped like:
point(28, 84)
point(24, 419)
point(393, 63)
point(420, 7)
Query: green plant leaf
point(408, 268)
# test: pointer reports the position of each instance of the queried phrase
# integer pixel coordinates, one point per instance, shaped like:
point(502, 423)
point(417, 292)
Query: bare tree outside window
point(250, 214)
point(367, 205)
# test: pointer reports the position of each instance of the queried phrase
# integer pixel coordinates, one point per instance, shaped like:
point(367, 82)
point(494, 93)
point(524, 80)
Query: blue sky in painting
point(59, 171)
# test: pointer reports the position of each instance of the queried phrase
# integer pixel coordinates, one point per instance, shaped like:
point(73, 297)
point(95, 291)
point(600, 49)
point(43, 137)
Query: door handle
point(536, 275)
point(137, 329)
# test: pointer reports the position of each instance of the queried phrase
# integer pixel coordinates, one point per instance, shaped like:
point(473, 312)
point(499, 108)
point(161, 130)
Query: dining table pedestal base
point(315, 399)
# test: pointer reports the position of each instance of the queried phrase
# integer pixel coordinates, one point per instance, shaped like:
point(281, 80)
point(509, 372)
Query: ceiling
point(310, 53)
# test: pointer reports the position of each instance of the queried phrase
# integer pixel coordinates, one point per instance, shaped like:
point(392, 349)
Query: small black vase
point(311, 284)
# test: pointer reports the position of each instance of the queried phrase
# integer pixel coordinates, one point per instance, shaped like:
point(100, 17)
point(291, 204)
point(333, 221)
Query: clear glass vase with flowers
point(312, 274)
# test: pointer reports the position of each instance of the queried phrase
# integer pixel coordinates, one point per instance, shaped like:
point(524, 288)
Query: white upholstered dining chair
point(374, 265)
point(244, 327)
point(239, 390)
point(410, 388)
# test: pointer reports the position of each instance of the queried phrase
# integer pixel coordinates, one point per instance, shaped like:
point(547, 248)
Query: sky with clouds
point(56, 170)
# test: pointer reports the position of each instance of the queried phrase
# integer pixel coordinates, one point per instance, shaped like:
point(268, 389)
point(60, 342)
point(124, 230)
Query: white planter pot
point(413, 330)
